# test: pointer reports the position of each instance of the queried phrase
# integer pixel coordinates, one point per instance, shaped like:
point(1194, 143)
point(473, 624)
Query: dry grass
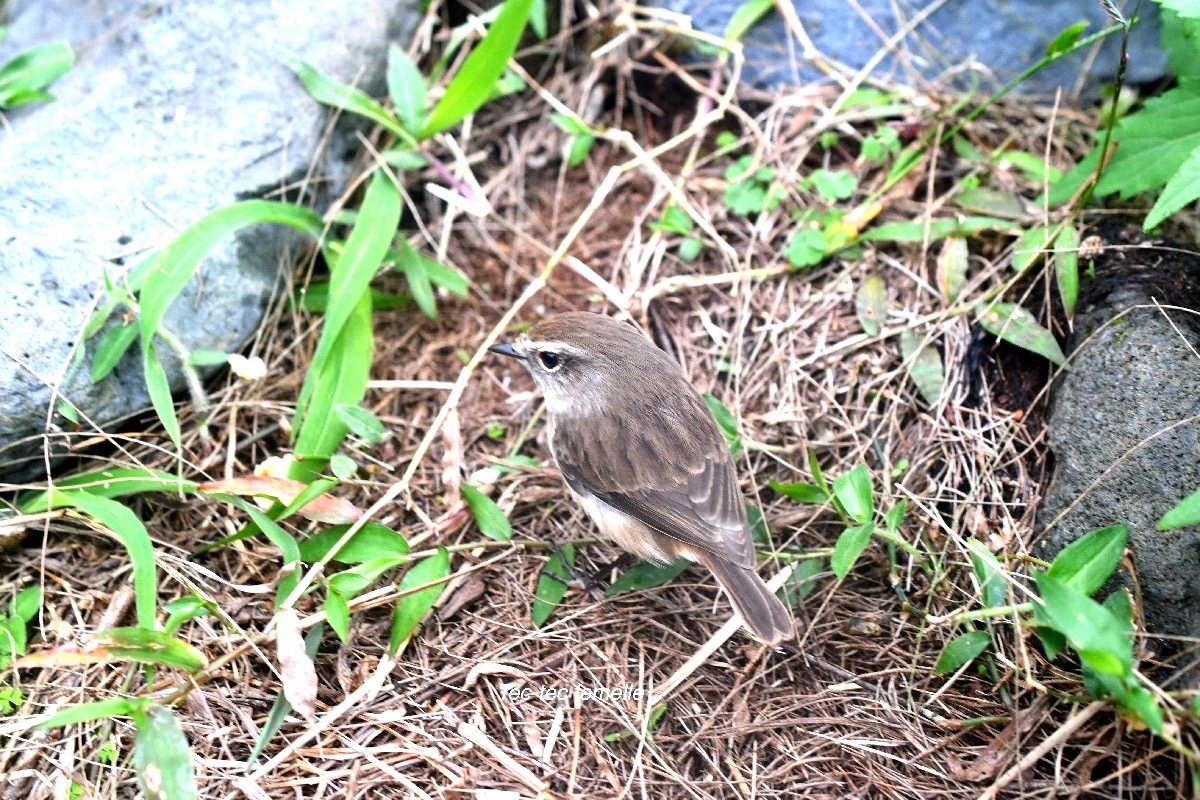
point(852, 709)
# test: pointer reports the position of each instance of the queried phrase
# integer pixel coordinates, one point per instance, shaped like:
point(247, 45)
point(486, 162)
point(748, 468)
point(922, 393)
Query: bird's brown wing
point(701, 508)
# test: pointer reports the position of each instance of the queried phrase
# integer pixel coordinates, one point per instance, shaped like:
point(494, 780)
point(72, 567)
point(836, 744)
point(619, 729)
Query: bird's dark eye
point(549, 359)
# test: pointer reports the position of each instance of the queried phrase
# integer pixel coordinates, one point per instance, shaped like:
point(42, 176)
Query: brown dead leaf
point(468, 591)
point(326, 508)
point(295, 667)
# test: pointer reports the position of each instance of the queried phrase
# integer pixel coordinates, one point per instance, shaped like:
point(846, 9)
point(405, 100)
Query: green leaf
point(961, 650)
point(148, 647)
point(115, 342)
point(674, 220)
point(279, 537)
point(125, 525)
point(23, 79)
point(378, 218)
point(416, 272)
point(853, 490)
point(689, 248)
point(1030, 246)
point(760, 531)
point(989, 572)
point(111, 482)
point(1155, 142)
point(726, 422)
point(801, 582)
point(871, 304)
point(334, 93)
point(1015, 325)
point(924, 366)
point(938, 229)
point(837, 184)
point(164, 276)
point(340, 380)
point(537, 19)
point(1183, 188)
point(1143, 704)
point(640, 577)
point(581, 146)
point(1066, 268)
point(362, 423)
point(848, 548)
point(1096, 635)
point(814, 466)
point(27, 602)
point(337, 613)
point(342, 466)
point(161, 756)
point(802, 492)
point(1186, 512)
point(370, 541)
point(1066, 39)
point(406, 86)
point(1086, 564)
point(488, 516)
point(448, 278)
point(806, 248)
point(744, 17)
point(895, 516)
point(90, 712)
point(411, 608)
point(551, 587)
point(478, 75)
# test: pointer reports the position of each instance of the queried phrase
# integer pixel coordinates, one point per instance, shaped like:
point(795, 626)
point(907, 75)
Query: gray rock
point(171, 111)
point(968, 40)
point(1128, 402)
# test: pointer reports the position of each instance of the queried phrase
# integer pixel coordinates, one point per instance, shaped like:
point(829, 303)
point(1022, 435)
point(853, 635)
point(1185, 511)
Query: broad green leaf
point(315, 298)
point(952, 265)
point(673, 220)
point(416, 272)
point(871, 304)
point(814, 466)
point(362, 423)
point(853, 490)
point(848, 548)
point(337, 613)
point(760, 531)
point(356, 579)
point(895, 516)
point(807, 248)
point(569, 123)
point(406, 86)
point(1183, 188)
point(961, 650)
point(163, 277)
point(801, 582)
point(280, 538)
point(836, 184)
point(1186, 512)
point(990, 574)
point(370, 541)
point(1017, 326)
point(448, 278)
point(411, 608)
point(148, 647)
point(115, 342)
point(1066, 39)
point(1030, 247)
point(351, 274)
point(473, 82)
point(1142, 703)
point(488, 516)
point(991, 202)
point(1092, 630)
point(537, 19)
point(802, 492)
point(331, 92)
point(1066, 268)
point(111, 482)
point(551, 586)
point(342, 466)
point(689, 248)
point(744, 17)
point(125, 525)
point(581, 146)
point(726, 422)
point(90, 712)
point(186, 608)
point(27, 602)
point(1119, 606)
point(23, 79)
point(1034, 167)
point(1086, 564)
point(1155, 142)
point(924, 366)
point(161, 755)
point(938, 229)
point(643, 575)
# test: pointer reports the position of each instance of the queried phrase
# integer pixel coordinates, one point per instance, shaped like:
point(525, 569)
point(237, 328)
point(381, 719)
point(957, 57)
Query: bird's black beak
point(504, 349)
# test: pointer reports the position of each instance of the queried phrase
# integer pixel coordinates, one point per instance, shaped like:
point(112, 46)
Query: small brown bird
point(641, 452)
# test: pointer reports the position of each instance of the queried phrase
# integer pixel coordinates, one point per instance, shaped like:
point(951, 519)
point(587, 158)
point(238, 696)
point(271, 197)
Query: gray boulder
point(171, 111)
point(967, 40)
point(1123, 416)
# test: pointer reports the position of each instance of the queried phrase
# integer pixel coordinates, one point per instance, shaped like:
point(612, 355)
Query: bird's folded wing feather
point(703, 510)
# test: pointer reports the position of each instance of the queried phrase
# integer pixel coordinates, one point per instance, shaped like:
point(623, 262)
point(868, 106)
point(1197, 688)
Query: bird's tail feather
point(764, 615)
